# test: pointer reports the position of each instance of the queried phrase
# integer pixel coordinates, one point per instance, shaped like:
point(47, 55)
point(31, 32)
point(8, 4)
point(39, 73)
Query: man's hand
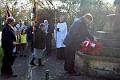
point(58, 29)
point(15, 43)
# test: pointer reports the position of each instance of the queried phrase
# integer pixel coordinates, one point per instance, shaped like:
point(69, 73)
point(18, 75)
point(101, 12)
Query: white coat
point(61, 34)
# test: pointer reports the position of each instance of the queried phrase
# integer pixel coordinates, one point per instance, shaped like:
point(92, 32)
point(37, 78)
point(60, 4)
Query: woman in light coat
point(61, 32)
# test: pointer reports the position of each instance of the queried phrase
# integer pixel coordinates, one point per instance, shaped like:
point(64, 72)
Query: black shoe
point(21, 55)
point(25, 55)
point(40, 62)
point(48, 54)
point(13, 75)
point(33, 64)
point(74, 74)
point(41, 65)
point(65, 68)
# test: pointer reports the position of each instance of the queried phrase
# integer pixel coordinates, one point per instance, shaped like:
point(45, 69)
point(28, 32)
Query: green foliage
point(1, 54)
point(1, 20)
point(48, 14)
point(72, 9)
point(77, 8)
point(99, 10)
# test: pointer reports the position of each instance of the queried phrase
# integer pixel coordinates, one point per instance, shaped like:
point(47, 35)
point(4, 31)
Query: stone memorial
point(108, 63)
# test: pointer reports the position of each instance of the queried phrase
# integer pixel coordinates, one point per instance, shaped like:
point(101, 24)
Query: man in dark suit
point(8, 45)
point(49, 31)
point(30, 33)
point(77, 34)
point(33, 29)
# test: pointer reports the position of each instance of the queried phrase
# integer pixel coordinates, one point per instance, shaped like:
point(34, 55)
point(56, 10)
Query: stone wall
point(97, 66)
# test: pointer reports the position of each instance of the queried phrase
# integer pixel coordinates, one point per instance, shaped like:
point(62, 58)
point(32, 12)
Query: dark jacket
point(39, 39)
point(29, 34)
point(8, 37)
point(77, 34)
point(50, 31)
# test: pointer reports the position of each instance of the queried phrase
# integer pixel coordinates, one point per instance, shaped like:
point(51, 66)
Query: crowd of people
point(15, 39)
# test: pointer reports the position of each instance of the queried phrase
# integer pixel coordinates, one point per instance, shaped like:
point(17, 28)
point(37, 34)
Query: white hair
point(45, 20)
point(89, 15)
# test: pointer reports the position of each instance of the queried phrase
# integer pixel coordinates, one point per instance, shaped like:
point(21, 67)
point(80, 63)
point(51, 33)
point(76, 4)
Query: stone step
point(111, 52)
point(107, 35)
point(99, 58)
point(109, 42)
point(98, 65)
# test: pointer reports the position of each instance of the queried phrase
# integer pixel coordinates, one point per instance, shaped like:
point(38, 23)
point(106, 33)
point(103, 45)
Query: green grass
point(1, 54)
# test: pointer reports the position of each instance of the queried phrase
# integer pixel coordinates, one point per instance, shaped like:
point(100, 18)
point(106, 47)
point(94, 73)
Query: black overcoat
point(77, 34)
point(8, 37)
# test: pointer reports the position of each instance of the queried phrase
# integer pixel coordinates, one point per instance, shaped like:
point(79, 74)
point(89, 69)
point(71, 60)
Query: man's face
point(42, 28)
point(33, 23)
point(88, 21)
point(62, 18)
point(46, 22)
point(13, 23)
point(36, 23)
point(20, 21)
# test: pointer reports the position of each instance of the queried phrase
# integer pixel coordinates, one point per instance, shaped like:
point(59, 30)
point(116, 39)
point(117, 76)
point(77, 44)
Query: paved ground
point(20, 68)
point(56, 71)
point(55, 67)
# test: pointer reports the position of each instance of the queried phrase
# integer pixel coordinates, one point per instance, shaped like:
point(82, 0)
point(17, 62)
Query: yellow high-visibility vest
point(23, 38)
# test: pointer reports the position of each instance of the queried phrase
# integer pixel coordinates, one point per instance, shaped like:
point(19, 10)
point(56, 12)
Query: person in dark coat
point(30, 32)
point(34, 28)
point(49, 30)
point(39, 42)
point(8, 45)
point(29, 35)
point(77, 34)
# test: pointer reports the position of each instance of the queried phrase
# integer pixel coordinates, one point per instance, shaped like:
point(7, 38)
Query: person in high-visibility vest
point(23, 41)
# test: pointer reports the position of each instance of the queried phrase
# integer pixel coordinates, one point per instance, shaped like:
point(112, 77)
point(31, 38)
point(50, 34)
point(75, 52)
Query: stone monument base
point(100, 66)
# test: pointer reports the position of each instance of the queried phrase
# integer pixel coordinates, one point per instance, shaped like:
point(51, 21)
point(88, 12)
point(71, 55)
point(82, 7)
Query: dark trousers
point(18, 48)
point(61, 53)
point(8, 60)
point(48, 46)
point(32, 46)
point(69, 59)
